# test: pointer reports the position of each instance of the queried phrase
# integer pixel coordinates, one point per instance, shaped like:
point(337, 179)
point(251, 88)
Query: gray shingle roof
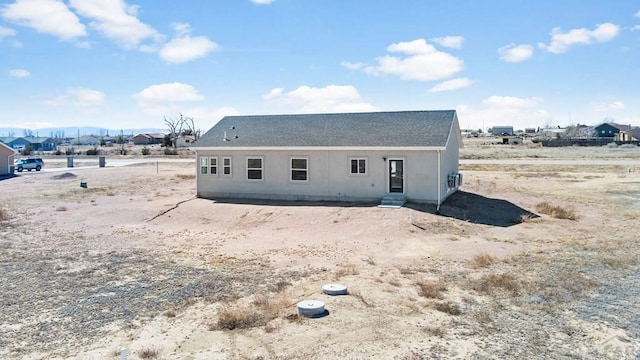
point(376, 129)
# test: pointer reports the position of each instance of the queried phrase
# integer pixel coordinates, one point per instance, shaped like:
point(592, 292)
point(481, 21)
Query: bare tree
point(175, 128)
point(190, 127)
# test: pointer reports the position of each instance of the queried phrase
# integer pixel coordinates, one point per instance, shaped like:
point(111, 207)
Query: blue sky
point(128, 64)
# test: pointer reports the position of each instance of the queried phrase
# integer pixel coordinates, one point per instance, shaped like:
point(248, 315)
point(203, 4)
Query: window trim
point(230, 166)
point(204, 165)
point(248, 168)
point(358, 159)
point(212, 166)
point(291, 169)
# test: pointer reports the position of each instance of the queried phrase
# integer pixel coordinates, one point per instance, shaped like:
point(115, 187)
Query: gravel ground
point(52, 299)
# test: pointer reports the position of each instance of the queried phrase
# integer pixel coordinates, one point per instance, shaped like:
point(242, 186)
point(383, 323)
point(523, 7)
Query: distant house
point(6, 158)
point(84, 140)
point(36, 143)
point(341, 157)
point(148, 139)
point(185, 140)
point(502, 130)
point(629, 135)
point(553, 132)
point(610, 129)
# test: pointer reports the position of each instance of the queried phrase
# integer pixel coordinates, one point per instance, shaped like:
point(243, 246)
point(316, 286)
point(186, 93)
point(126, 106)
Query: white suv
point(28, 164)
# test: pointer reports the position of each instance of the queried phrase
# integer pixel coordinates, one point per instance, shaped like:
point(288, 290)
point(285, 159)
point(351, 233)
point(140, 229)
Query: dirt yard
point(533, 262)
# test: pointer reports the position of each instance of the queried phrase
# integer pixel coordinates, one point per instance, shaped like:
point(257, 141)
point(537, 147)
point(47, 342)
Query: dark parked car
point(28, 164)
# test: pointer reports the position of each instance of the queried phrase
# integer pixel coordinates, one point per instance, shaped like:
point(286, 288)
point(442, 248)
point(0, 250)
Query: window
point(254, 168)
point(299, 169)
point(213, 166)
point(358, 166)
point(204, 164)
point(226, 166)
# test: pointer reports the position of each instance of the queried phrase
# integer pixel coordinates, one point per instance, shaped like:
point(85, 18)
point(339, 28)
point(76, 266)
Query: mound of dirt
point(63, 176)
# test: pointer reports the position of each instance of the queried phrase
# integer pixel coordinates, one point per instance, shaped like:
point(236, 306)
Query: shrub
point(146, 151)
point(69, 151)
point(147, 353)
point(448, 307)
point(93, 151)
point(481, 261)
point(431, 289)
point(170, 151)
point(491, 283)
point(235, 318)
point(58, 152)
point(556, 211)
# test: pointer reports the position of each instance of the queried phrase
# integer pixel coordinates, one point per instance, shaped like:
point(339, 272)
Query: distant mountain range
point(72, 132)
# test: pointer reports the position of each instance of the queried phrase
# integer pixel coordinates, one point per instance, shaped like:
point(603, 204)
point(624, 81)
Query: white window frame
point(291, 169)
point(230, 166)
point(216, 166)
point(261, 158)
point(358, 159)
point(204, 165)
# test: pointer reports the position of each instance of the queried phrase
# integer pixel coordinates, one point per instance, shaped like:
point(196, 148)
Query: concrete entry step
point(393, 201)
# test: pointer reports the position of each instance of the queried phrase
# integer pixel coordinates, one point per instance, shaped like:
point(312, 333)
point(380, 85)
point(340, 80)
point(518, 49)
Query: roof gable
point(375, 129)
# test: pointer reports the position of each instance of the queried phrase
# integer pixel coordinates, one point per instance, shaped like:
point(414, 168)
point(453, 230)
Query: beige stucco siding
point(329, 175)
point(6, 159)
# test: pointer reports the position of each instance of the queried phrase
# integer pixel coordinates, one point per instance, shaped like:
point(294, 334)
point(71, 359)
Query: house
point(184, 140)
point(90, 140)
point(6, 159)
point(502, 130)
point(629, 135)
point(148, 139)
point(36, 143)
point(334, 157)
point(610, 129)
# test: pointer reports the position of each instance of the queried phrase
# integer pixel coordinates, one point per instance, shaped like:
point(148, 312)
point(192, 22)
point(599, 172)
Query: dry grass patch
point(4, 215)
point(185, 176)
point(492, 283)
point(148, 353)
point(346, 269)
point(238, 318)
point(482, 261)
point(262, 309)
point(556, 212)
point(439, 331)
point(431, 289)
point(358, 295)
point(448, 307)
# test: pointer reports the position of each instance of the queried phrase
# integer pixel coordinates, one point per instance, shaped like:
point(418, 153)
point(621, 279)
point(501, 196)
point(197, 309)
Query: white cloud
point(453, 84)
point(6, 32)
point(263, 2)
point(186, 48)
point(418, 61)
point(637, 14)
point(353, 66)
point(19, 73)
point(610, 106)
point(449, 41)
point(515, 53)
point(274, 93)
point(116, 20)
point(166, 98)
point(637, 27)
point(561, 42)
point(51, 17)
point(78, 97)
point(328, 99)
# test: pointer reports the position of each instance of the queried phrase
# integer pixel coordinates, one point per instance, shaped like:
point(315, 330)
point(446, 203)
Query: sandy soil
point(135, 261)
